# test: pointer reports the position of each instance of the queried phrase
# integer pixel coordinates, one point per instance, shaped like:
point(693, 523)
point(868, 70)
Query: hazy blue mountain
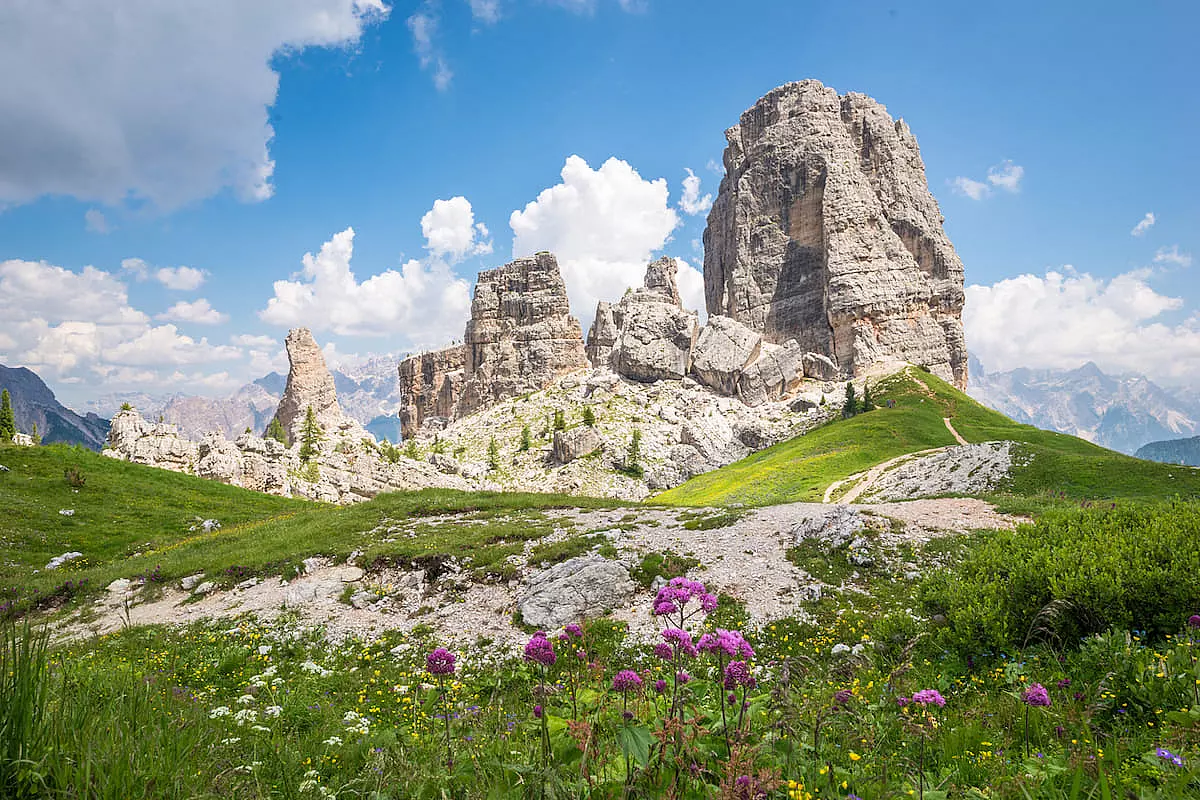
point(1173, 451)
point(1119, 412)
point(33, 402)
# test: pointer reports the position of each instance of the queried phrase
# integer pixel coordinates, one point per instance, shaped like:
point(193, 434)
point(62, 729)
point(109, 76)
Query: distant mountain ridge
point(1119, 412)
point(34, 402)
point(368, 393)
point(1173, 451)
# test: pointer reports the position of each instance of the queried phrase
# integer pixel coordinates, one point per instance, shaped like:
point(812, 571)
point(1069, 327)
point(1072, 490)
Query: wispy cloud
point(1174, 256)
point(976, 190)
point(691, 202)
point(1146, 224)
point(424, 27)
point(485, 11)
point(94, 221)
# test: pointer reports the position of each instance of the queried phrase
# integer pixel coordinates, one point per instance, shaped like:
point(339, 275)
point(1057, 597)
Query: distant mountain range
point(369, 393)
point(1119, 412)
point(34, 403)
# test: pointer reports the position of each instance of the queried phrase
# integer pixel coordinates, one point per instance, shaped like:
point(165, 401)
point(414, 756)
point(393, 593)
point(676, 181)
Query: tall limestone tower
point(824, 231)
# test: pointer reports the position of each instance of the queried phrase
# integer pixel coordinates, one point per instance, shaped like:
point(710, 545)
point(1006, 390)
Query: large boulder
point(824, 231)
point(724, 348)
point(819, 367)
point(776, 372)
point(571, 444)
point(133, 439)
point(602, 335)
point(577, 589)
point(656, 339)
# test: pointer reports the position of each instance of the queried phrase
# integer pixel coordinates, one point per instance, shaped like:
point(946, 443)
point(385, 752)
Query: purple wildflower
point(929, 697)
point(537, 712)
point(540, 650)
point(440, 662)
point(683, 677)
point(1168, 756)
point(731, 643)
point(627, 681)
point(678, 592)
point(664, 651)
point(843, 697)
point(573, 630)
point(708, 602)
point(660, 686)
point(902, 701)
point(737, 673)
point(680, 640)
point(1036, 695)
point(1064, 683)
point(664, 607)
point(1194, 621)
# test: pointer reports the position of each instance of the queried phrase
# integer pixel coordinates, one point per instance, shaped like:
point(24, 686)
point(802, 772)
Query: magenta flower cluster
point(1036, 695)
point(730, 643)
point(440, 662)
point(678, 592)
point(737, 673)
point(570, 632)
point(680, 641)
point(929, 697)
point(540, 650)
point(1194, 621)
point(627, 681)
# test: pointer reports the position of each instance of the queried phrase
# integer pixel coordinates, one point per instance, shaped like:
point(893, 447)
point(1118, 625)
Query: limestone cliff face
point(824, 231)
point(521, 335)
point(309, 383)
point(430, 385)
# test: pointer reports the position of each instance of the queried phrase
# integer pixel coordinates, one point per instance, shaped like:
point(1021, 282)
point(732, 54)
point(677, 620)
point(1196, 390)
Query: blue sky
point(140, 132)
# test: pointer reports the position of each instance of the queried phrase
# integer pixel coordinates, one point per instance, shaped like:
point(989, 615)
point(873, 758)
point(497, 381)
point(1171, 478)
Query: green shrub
point(665, 565)
point(1072, 574)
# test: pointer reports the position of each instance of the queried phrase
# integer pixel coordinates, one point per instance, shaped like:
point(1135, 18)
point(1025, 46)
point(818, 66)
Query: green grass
point(133, 520)
point(1050, 466)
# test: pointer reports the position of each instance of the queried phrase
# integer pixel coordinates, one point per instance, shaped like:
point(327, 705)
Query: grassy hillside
point(130, 520)
point(1050, 464)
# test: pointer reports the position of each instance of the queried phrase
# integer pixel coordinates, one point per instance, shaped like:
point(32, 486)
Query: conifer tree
point(310, 435)
point(589, 417)
point(493, 455)
point(867, 404)
point(37, 437)
point(633, 456)
point(850, 408)
point(8, 423)
point(275, 431)
point(560, 421)
point(526, 439)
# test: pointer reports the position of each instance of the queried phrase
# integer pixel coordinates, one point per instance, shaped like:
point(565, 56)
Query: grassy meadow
point(1055, 661)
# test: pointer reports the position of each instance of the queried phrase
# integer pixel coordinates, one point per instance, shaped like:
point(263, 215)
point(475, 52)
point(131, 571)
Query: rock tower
point(824, 232)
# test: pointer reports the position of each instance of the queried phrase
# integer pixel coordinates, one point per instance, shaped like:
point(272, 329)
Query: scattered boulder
point(575, 442)
point(834, 528)
point(724, 348)
point(65, 558)
point(819, 367)
point(191, 581)
point(579, 588)
point(777, 371)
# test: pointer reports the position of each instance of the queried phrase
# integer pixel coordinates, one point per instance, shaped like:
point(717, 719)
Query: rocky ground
point(743, 554)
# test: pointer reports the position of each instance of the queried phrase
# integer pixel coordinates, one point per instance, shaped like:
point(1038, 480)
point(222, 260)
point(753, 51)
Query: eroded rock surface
point(577, 589)
point(824, 232)
point(430, 385)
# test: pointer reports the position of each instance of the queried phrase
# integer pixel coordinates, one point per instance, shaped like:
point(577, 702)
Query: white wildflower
point(263, 649)
point(272, 711)
point(245, 715)
point(231, 740)
point(245, 700)
point(219, 711)
point(333, 741)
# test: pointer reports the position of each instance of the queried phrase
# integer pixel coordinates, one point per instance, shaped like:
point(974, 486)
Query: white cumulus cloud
point(158, 102)
point(604, 225)
point(1173, 255)
point(451, 232)
point(691, 202)
point(422, 302)
point(1066, 318)
point(199, 312)
point(1006, 175)
point(185, 279)
point(1145, 224)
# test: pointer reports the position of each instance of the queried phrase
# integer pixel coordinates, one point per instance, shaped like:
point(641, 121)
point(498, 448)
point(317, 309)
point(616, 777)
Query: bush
point(1072, 574)
point(74, 477)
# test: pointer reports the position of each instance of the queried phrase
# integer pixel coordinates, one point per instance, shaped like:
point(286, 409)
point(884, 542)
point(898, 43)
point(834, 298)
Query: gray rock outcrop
point(310, 385)
point(724, 349)
point(521, 335)
point(577, 589)
point(834, 529)
point(824, 232)
point(430, 385)
point(655, 333)
point(777, 371)
point(575, 442)
point(602, 335)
